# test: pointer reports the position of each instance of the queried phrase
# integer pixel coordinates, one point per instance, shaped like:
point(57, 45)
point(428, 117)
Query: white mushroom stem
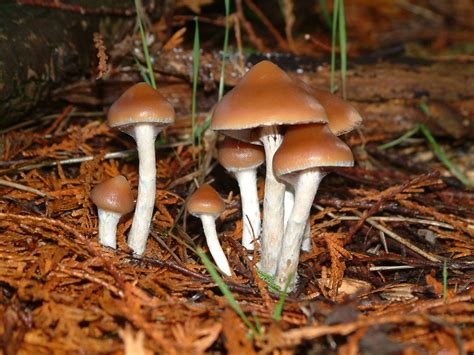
point(289, 202)
point(273, 213)
point(306, 185)
point(108, 221)
point(145, 136)
point(251, 224)
point(209, 226)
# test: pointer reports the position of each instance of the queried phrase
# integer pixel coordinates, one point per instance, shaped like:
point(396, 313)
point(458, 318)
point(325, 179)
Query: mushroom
point(206, 204)
point(142, 113)
point(242, 159)
point(342, 118)
point(263, 100)
point(300, 161)
point(113, 199)
point(289, 203)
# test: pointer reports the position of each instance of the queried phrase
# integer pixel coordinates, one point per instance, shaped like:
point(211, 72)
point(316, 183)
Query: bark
point(44, 44)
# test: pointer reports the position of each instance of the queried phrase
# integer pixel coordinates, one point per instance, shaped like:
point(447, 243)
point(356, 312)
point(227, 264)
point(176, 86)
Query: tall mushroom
point(342, 118)
point(300, 161)
point(113, 199)
point(142, 113)
point(206, 204)
point(263, 100)
point(242, 159)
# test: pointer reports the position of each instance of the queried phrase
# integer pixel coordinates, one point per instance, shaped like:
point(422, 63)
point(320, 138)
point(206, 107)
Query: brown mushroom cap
point(237, 155)
point(140, 104)
point(342, 116)
point(265, 96)
point(310, 146)
point(205, 200)
point(114, 195)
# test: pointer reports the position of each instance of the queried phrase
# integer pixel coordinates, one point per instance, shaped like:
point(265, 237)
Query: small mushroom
point(142, 113)
point(113, 199)
point(242, 159)
point(265, 99)
point(206, 204)
point(300, 161)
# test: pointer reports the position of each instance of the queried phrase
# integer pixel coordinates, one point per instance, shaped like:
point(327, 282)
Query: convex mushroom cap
point(237, 155)
point(114, 195)
point(310, 146)
point(205, 200)
point(342, 116)
point(265, 96)
point(140, 104)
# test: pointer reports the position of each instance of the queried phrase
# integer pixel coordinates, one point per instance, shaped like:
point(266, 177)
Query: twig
point(60, 118)
point(393, 267)
point(24, 188)
point(82, 274)
point(113, 155)
point(401, 240)
point(256, 41)
point(385, 196)
point(56, 4)
point(282, 43)
point(296, 336)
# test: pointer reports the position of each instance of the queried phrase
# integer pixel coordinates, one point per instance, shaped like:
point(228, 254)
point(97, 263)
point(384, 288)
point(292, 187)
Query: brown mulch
point(383, 235)
point(61, 291)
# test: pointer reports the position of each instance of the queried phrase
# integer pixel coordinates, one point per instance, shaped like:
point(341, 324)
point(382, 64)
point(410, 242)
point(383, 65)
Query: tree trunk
point(46, 43)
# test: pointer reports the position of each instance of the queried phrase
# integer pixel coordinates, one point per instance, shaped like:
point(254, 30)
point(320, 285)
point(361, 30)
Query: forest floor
point(391, 265)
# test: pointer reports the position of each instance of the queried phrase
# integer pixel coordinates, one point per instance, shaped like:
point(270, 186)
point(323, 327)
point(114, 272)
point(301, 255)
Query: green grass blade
point(143, 71)
point(196, 48)
point(439, 152)
point(224, 49)
point(258, 324)
point(278, 311)
point(400, 139)
point(225, 291)
point(269, 280)
point(151, 74)
point(335, 15)
point(445, 280)
point(343, 47)
point(323, 6)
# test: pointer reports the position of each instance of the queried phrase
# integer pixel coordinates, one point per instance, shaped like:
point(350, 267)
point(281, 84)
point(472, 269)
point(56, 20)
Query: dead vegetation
point(384, 239)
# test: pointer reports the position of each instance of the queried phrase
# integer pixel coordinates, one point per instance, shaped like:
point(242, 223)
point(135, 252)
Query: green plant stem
point(335, 15)
point(323, 6)
point(278, 311)
point(400, 139)
point(196, 49)
point(445, 280)
point(225, 291)
point(439, 152)
point(224, 50)
point(343, 47)
point(151, 75)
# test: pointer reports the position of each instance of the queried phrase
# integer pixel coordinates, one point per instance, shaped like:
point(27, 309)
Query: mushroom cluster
point(268, 117)
point(298, 128)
